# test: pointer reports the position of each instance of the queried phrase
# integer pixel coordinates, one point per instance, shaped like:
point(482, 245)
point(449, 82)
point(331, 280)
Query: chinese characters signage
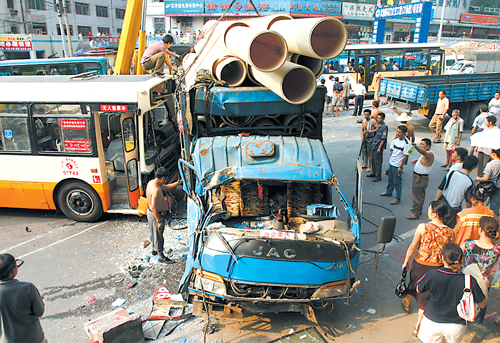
point(183, 6)
point(245, 7)
point(318, 7)
point(15, 43)
point(71, 124)
point(357, 10)
point(420, 10)
point(113, 108)
point(479, 19)
point(399, 11)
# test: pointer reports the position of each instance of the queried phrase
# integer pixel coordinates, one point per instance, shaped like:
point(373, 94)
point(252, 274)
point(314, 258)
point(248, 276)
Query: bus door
point(129, 138)
point(367, 67)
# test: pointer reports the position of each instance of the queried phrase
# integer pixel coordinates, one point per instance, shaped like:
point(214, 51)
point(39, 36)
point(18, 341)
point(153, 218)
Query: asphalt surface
point(73, 262)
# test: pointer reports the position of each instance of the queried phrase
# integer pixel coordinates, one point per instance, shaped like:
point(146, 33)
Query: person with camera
point(429, 240)
point(21, 305)
point(492, 173)
point(441, 321)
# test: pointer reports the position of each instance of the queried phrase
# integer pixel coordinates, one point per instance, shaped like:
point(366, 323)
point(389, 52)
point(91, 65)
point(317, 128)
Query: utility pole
point(441, 23)
point(70, 43)
point(22, 15)
point(59, 14)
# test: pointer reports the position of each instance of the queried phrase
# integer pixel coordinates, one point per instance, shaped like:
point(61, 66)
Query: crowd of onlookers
point(455, 237)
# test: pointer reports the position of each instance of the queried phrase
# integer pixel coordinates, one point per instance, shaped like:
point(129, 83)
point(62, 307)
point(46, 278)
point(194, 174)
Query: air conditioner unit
point(13, 13)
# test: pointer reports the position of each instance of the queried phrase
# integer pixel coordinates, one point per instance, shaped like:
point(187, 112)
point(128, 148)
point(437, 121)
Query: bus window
point(88, 67)
point(5, 71)
point(415, 60)
point(436, 62)
point(129, 134)
point(62, 128)
point(13, 128)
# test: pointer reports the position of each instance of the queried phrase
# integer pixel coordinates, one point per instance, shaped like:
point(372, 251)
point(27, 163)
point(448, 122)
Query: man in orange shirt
point(468, 219)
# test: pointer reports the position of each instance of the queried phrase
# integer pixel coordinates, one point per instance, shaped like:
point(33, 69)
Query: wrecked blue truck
point(270, 229)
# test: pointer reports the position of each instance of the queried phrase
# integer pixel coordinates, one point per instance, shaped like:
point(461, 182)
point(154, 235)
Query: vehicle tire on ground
point(473, 113)
point(79, 201)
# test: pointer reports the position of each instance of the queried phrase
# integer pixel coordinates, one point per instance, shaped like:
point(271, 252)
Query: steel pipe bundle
point(259, 48)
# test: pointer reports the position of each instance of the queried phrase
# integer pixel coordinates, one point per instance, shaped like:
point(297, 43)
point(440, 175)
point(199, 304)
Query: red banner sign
point(114, 108)
point(479, 19)
point(15, 43)
point(76, 145)
point(73, 124)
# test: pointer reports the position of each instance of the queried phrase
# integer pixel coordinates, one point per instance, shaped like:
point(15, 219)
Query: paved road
point(71, 262)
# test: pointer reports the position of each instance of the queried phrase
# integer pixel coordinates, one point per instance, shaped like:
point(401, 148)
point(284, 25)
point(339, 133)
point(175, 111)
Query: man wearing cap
point(155, 56)
point(404, 118)
point(21, 305)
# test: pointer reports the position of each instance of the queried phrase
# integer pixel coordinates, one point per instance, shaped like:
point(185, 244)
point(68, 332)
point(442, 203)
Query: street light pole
point(70, 43)
point(441, 23)
point(59, 14)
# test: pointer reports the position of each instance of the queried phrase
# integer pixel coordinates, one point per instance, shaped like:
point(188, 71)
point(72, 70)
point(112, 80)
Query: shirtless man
point(157, 207)
point(421, 176)
point(376, 110)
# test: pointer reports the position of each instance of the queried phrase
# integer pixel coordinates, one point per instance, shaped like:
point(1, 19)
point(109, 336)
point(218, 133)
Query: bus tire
point(79, 201)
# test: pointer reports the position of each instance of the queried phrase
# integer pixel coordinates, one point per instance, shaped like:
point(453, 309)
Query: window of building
point(36, 4)
point(101, 11)
point(64, 28)
point(84, 30)
point(82, 8)
point(159, 24)
point(66, 5)
point(120, 13)
point(475, 8)
point(492, 10)
point(103, 30)
point(10, 3)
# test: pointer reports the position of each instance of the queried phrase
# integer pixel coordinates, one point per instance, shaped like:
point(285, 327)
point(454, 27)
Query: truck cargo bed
point(424, 90)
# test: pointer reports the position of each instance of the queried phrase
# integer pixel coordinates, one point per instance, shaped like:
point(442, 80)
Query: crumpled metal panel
point(217, 159)
point(251, 101)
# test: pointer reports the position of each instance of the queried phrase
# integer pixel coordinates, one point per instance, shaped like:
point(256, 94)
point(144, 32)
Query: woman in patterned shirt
point(483, 251)
point(430, 238)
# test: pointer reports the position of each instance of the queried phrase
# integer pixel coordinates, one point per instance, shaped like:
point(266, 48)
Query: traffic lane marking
point(62, 240)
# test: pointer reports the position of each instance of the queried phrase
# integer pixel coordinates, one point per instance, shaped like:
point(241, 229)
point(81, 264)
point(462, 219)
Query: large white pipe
point(264, 23)
point(218, 61)
point(315, 64)
point(263, 50)
point(292, 82)
point(322, 38)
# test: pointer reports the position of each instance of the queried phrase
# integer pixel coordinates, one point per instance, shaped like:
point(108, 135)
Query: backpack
point(467, 309)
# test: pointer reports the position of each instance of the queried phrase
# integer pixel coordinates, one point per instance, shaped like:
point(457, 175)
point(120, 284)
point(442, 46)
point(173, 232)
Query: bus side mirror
point(385, 230)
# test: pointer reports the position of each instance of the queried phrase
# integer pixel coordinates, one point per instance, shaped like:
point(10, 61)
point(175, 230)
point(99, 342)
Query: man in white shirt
point(359, 91)
point(483, 154)
point(454, 188)
point(399, 155)
point(442, 107)
point(421, 170)
point(494, 107)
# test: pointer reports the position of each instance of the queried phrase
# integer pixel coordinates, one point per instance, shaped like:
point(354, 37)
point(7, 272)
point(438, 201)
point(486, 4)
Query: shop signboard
point(15, 43)
point(245, 7)
point(421, 11)
point(183, 7)
point(479, 19)
point(350, 9)
point(316, 8)
point(453, 10)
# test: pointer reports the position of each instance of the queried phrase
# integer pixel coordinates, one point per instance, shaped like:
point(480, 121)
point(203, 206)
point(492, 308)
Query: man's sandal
point(412, 217)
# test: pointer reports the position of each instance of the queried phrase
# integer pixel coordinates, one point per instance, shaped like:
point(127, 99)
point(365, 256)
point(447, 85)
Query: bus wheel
point(79, 202)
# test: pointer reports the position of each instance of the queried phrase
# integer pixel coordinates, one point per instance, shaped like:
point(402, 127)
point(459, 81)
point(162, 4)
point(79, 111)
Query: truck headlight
point(330, 290)
point(212, 283)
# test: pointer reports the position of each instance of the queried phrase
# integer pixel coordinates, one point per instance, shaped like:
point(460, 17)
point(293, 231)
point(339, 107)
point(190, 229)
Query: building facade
point(469, 18)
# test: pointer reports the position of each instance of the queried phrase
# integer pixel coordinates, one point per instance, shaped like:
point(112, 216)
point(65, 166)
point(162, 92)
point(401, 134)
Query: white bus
point(84, 145)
